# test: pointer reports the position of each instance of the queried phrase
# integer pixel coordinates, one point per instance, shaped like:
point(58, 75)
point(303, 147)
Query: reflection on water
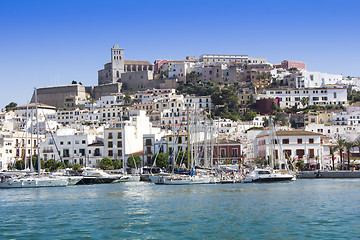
point(320, 208)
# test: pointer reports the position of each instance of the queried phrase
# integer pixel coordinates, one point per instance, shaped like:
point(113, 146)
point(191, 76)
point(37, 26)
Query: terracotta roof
point(32, 105)
point(293, 133)
point(100, 144)
point(131, 62)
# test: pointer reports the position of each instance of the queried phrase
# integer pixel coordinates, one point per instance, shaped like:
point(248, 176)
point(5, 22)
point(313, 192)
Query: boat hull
point(34, 183)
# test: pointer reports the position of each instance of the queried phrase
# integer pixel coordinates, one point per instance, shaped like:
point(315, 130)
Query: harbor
point(306, 208)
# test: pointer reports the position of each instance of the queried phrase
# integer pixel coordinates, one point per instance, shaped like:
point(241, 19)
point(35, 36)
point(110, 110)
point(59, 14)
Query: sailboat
point(32, 181)
point(185, 179)
point(270, 174)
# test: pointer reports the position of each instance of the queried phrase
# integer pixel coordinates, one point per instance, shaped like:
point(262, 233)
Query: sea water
point(304, 209)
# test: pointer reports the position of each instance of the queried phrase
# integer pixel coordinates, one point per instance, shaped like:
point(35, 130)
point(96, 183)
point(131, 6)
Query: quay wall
point(329, 174)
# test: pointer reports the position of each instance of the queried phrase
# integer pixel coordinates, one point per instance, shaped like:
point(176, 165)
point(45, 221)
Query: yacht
point(175, 179)
point(265, 175)
point(8, 181)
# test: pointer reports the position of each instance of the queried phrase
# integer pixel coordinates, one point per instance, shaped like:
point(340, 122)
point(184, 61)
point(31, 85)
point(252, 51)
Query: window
point(311, 140)
point(110, 136)
point(110, 153)
point(119, 144)
point(83, 142)
point(300, 153)
point(311, 153)
point(119, 135)
point(335, 95)
point(110, 144)
point(223, 152)
point(285, 141)
point(234, 152)
point(299, 140)
point(287, 153)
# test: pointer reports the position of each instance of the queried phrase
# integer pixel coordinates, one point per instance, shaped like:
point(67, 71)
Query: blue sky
point(44, 43)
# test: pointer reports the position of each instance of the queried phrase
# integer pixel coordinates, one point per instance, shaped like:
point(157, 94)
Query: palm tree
point(304, 101)
point(349, 146)
point(341, 145)
point(333, 150)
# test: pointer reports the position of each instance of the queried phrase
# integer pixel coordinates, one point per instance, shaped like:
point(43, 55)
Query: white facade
point(134, 129)
point(222, 58)
point(68, 117)
point(336, 95)
point(110, 101)
point(72, 146)
point(291, 144)
point(198, 102)
point(305, 79)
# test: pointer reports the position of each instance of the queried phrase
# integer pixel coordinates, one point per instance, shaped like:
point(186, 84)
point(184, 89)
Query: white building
point(110, 101)
point(291, 144)
point(222, 58)
point(68, 145)
point(198, 102)
point(305, 79)
point(135, 127)
point(68, 117)
point(334, 95)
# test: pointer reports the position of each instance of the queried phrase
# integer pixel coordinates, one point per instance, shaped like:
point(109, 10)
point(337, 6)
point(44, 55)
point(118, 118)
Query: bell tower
point(117, 60)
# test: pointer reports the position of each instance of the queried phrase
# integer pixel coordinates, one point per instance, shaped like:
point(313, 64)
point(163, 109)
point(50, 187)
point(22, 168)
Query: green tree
point(341, 146)
point(117, 164)
point(333, 150)
point(20, 165)
point(127, 99)
point(164, 74)
point(300, 164)
point(10, 106)
point(304, 101)
point(134, 161)
point(250, 115)
point(106, 164)
point(162, 160)
point(51, 164)
point(348, 146)
point(76, 167)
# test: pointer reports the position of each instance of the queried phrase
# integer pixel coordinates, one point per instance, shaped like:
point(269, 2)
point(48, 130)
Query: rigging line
point(52, 136)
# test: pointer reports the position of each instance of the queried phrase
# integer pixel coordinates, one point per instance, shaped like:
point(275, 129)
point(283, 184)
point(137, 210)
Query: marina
point(306, 208)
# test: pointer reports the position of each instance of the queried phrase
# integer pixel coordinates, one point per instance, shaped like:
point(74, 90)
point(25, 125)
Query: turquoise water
point(305, 209)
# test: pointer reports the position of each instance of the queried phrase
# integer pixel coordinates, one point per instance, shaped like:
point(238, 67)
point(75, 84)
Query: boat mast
point(37, 133)
point(206, 162)
point(122, 125)
point(31, 139)
point(174, 141)
point(211, 142)
point(26, 134)
point(188, 138)
point(272, 143)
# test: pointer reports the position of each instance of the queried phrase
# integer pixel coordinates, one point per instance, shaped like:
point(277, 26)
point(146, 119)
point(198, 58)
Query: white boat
point(21, 181)
point(269, 174)
point(265, 175)
point(177, 179)
point(31, 182)
point(128, 178)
